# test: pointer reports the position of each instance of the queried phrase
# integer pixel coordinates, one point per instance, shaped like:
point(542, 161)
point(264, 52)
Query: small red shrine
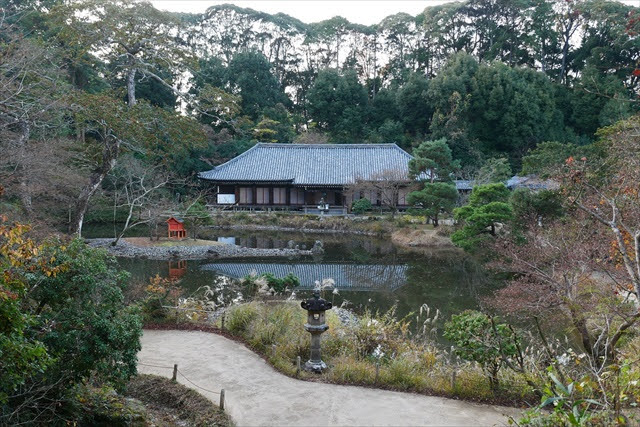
point(176, 228)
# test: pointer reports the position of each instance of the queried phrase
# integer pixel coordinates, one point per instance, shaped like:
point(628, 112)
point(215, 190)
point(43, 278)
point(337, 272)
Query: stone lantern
point(315, 325)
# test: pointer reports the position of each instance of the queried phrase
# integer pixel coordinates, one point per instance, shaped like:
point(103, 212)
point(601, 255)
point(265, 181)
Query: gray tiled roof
point(463, 184)
point(353, 277)
point(312, 164)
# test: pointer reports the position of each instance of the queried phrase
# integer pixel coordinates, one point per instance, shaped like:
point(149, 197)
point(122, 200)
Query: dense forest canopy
point(92, 81)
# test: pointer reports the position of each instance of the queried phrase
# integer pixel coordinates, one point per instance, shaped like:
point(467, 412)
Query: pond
point(369, 272)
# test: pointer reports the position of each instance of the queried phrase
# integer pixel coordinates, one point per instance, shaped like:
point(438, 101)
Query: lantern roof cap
point(316, 303)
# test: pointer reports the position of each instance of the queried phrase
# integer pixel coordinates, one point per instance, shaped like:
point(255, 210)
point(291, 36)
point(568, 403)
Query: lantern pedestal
point(315, 325)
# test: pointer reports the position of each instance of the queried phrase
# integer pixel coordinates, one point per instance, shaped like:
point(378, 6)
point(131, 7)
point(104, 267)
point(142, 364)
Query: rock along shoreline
point(127, 250)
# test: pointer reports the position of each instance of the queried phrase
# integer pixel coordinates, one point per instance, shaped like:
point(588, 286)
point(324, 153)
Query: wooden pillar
point(270, 196)
point(254, 196)
point(236, 191)
point(288, 197)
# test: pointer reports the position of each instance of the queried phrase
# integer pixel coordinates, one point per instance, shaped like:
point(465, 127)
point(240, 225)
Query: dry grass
point(421, 238)
point(169, 403)
point(375, 225)
point(144, 242)
point(275, 331)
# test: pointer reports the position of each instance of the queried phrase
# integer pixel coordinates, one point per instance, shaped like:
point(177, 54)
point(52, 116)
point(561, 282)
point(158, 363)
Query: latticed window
point(262, 196)
point(279, 196)
point(297, 196)
point(246, 195)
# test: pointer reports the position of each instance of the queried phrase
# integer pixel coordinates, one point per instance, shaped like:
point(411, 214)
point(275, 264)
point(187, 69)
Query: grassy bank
point(372, 351)
point(374, 225)
point(171, 403)
point(146, 400)
point(405, 230)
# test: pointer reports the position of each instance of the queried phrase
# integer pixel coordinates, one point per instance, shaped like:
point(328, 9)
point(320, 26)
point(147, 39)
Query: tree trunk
point(25, 193)
point(565, 50)
point(109, 159)
point(131, 86)
point(126, 226)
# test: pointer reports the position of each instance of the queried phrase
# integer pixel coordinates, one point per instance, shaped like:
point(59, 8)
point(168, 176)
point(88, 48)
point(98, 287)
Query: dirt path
point(257, 395)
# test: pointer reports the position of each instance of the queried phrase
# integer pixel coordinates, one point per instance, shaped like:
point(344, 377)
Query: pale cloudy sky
point(360, 12)
point(365, 12)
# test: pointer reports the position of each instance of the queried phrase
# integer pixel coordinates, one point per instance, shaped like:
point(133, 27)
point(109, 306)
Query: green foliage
point(513, 109)
point(268, 281)
point(450, 93)
point(479, 338)
point(494, 170)
point(97, 335)
point(413, 104)
point(547, 158)
point(289, 281)
point(540, 205)
point(196, 216)
point(249, 74)
point(488, 206)
point(488, 193)
point(434, 159)
point(64, 321)
point(337, 102)
point(240, 318)
point(361, 206)
point(568, 408)
point(435, 198)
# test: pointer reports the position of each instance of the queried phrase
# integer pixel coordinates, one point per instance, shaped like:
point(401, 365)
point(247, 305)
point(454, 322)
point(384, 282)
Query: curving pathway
point(257, 395)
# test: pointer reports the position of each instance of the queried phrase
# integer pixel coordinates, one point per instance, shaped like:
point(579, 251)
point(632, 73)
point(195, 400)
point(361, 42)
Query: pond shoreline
point(125, 249)
point(254, 227)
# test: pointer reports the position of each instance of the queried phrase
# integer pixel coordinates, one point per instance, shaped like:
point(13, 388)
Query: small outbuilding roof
point(180, 220)
point(312, 164)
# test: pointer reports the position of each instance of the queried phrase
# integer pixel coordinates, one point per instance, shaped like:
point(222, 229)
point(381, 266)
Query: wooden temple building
point(307, 177)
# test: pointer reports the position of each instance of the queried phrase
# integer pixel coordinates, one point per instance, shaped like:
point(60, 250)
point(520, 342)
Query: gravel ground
point(127, 250)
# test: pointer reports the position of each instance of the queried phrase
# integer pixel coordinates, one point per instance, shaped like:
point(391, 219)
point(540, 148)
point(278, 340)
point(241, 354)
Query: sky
point(364, 12)
point(359, 12)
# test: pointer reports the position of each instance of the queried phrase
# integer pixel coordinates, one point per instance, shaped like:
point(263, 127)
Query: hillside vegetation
point(109, 109)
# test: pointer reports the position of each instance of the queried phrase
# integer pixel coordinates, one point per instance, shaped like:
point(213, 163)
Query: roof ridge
point(331, 145)
point(231, 161)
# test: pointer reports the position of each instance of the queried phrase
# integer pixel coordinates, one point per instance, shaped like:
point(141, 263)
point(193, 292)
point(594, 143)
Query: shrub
point(270, 281)
point(361, 206)
point(478, 338)
point(63, 321)
point(279, 285)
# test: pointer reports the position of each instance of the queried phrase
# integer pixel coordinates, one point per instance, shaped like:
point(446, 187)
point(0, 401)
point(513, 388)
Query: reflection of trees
point(449, 282)
point(338, 247)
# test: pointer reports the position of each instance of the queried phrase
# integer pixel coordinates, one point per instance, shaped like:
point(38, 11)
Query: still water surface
point(368, 272)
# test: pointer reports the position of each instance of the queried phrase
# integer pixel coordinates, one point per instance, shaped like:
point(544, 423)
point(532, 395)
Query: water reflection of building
point(177, 269)
point(352, 277)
